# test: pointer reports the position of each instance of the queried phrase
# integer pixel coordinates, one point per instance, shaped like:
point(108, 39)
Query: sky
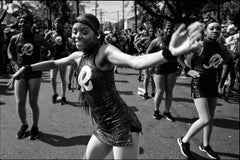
point(112, 10)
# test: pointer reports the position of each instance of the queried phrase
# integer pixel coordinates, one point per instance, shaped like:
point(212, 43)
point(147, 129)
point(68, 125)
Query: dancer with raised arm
point(118, 129)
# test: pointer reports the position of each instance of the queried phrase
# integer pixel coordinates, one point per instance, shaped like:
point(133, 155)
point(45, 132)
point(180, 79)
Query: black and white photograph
point(98, 79)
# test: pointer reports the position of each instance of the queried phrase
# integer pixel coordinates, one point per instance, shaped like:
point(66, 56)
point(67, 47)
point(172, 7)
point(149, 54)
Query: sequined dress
point(115, 119)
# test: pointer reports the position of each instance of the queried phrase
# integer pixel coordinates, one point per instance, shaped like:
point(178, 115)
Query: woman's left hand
point(185, 39)
point(193, 73)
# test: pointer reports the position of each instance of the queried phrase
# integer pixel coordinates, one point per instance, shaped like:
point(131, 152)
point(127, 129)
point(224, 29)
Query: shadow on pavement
point(141, 150)
point(196, 156)
point(59, 141)
point(134, 108)
point(4, 90)
point(226, 123)
point(230, 155)
point(122, 81)
point(183, 84)
point(126, 92)
point(188, 100)
point(2, 103)
point(186, 120)
point(74, 104)
point(218, 122)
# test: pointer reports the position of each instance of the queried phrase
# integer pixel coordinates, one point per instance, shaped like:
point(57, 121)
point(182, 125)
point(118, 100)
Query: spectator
point(58, 38)
point(164, 75)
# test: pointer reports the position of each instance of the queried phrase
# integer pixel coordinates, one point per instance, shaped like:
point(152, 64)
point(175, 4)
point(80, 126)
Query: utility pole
point(77, 2)
point(135, 13)
point(123, 12)
point(96, 5)
point(118, 18)
point(50, 18)
point(1, 4)
point(101, 17)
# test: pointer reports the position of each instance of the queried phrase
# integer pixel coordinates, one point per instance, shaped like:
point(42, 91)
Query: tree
point(57, 8)
point(22, 7)
point(174, 11)
point(179, 11)
point(231, 10)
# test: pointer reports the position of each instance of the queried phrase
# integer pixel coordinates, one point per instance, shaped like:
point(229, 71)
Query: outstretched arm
point(183, 40)
point(72, 59)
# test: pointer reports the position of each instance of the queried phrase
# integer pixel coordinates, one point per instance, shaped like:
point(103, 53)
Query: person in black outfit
point(204, 68)
point(164, 75)
point(60, 42)
point(23, 50)
point(2, 41)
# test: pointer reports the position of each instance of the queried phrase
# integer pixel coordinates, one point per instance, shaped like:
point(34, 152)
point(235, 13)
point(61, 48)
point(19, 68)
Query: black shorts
point(33, 74)
point(165, 68)
point(201, 89)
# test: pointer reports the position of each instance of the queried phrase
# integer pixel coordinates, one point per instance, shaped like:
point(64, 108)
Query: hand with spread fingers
point(185, 39)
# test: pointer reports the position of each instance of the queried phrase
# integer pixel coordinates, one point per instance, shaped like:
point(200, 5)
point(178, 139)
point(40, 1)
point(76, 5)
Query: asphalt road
point(66, 129)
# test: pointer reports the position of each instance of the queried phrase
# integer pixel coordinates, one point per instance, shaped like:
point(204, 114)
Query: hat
point(89, 20)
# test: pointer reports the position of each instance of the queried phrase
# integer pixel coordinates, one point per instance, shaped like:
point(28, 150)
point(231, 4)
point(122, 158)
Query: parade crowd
point(208, 52)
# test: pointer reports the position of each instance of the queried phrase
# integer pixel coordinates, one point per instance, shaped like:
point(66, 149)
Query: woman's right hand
point(184, 39)
point(17, 75)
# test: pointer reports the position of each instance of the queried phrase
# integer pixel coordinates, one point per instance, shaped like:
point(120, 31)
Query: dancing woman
point(24, 49)
point(118, 126)
point(205, 63)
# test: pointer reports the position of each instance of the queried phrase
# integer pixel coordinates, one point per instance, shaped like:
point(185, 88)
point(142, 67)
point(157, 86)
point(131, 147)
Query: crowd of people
point(83, 50)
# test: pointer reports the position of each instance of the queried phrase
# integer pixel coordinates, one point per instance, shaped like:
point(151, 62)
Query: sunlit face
point(83, 36)
point(24, 25)
point(212, 31)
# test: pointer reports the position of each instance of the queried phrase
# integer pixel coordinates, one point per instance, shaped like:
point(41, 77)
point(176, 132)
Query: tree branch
point(152, 13)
